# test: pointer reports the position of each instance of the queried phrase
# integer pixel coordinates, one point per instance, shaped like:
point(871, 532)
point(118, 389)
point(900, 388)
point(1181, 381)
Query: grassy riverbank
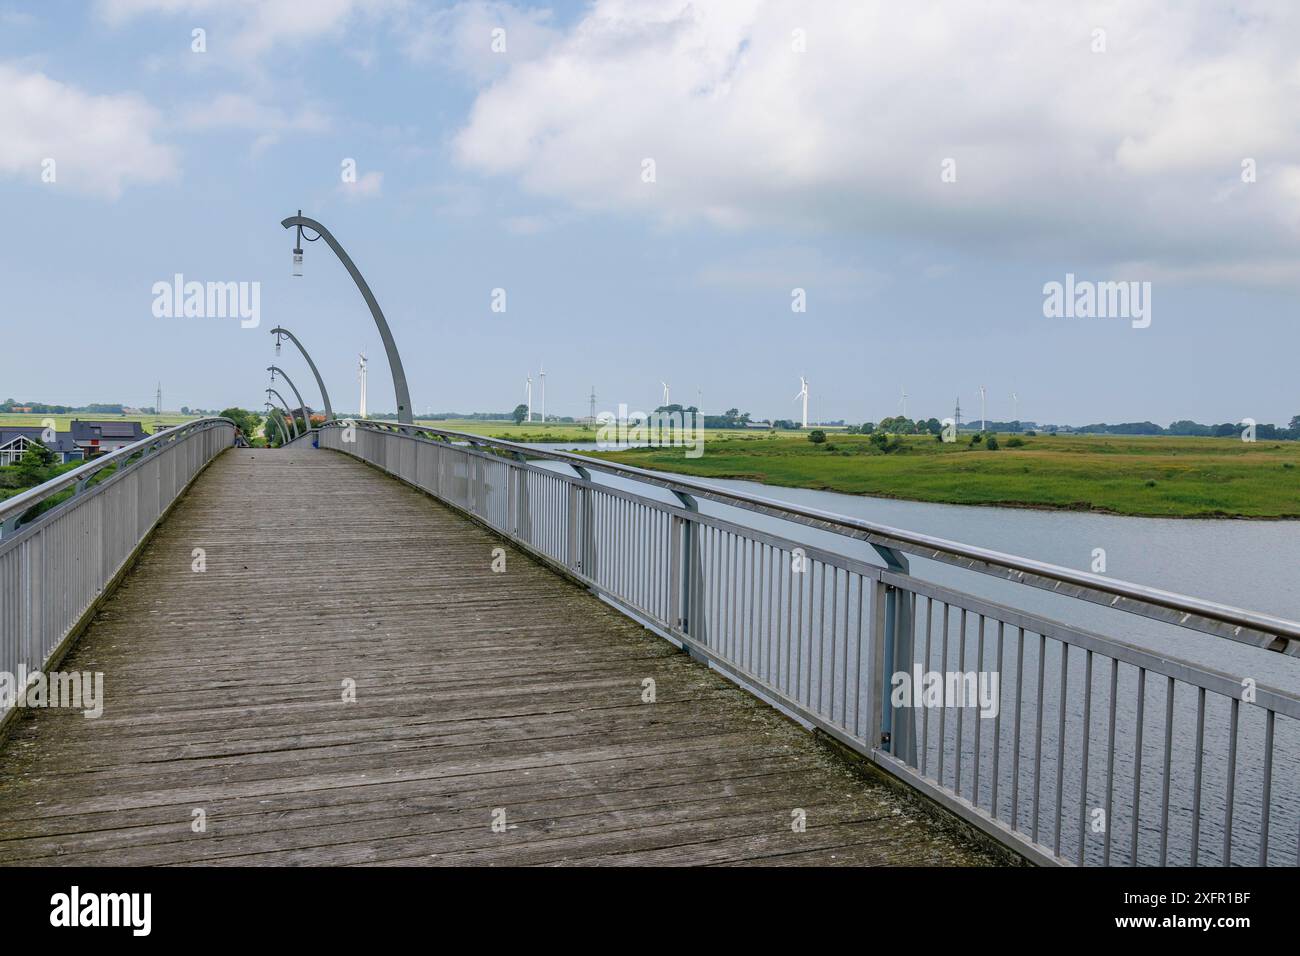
point(1158, 476)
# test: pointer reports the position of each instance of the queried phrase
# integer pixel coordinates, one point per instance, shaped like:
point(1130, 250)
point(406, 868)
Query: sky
point(650, 182)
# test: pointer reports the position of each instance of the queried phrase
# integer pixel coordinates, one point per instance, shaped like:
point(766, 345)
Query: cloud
point(464, 36)
point(1132, 154)
point(100, 143)
point(238, 111)
point(257, 26)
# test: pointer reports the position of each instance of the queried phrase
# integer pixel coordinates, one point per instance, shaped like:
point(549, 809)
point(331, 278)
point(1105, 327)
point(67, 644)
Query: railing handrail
point(22, 501)
point(1188, 611)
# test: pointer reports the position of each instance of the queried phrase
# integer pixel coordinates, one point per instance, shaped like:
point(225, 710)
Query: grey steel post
point(320, 382)
point(404, 415)
point(279, 424)
point(898, 651)
point(292, 424)
point(306, 419)
point(692, 610)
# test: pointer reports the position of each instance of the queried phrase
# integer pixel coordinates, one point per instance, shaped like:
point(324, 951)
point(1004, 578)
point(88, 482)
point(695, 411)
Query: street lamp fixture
point(402, 393)
point(297, 252)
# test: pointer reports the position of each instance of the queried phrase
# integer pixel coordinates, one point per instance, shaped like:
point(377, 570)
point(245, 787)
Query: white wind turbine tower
point(803, 393)
point(903, 402)
point(983, 421)
point(1015, 406)
point(529, 381)
point(361, 377)
point(541, 373)
point(665, 385)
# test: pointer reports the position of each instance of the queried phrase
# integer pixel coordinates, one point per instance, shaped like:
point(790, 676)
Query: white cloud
point(100, 143)
point(269, 123)
point(1103, 157)
point(463, 37)
point(257, 26)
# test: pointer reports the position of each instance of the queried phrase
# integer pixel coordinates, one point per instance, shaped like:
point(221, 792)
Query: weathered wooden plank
point(474, 691)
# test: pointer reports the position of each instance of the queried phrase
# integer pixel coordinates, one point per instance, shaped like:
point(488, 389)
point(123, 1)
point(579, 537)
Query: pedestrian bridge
point(387, 644)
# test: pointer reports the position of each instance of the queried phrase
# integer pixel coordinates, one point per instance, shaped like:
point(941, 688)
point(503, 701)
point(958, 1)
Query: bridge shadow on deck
point(475, 691)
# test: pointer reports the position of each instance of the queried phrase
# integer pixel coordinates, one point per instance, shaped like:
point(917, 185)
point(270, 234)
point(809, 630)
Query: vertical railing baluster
point(1015, 759)
point(1196, 778)
point(1087, 739)
point(1231, 783)
point(1038, 740)
point(1110, 761)
point(1169, 749)
point(1059, 821)
point(1266, 800)
point(1137, 766)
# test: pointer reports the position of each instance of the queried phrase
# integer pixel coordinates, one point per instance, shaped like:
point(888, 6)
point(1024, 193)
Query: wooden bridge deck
point(474, 691)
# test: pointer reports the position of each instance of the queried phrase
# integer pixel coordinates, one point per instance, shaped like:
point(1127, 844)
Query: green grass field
point(1155, 476)
point(22, 420)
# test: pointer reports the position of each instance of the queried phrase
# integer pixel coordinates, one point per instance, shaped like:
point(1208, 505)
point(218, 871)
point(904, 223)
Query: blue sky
point(776, 168)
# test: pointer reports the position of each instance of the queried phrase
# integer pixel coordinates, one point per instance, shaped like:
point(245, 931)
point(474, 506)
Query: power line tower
point(157, 408)
point(957, 414)
point(593, 404)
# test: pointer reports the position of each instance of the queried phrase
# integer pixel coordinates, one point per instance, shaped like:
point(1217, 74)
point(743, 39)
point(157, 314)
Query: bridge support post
point(892, 650)
point(586, 537)
point(689, 603)
point(523, 519)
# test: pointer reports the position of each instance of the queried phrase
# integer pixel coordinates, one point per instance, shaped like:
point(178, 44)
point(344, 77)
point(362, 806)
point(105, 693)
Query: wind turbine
point(903, 402)
point(530, 396)
point(665, 385)
point(983, 421)
point(541, 373)
point(803, 393)
point(1015, 405)
point(361, 377)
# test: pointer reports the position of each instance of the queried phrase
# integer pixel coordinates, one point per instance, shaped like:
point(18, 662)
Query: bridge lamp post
point(281, 332)
point(292, 424)
point(306, 419)
point(273, 415)
point(404, 414)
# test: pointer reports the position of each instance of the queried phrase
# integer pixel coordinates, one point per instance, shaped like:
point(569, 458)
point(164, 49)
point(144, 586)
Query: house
point(100, 438)
point(14, 443)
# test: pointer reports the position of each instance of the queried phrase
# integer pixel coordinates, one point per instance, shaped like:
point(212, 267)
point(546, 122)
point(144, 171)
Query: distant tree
point(520, 413)
point(866, 428)
point(816, 436)
point(991, 443)
point(933, 426)
point(34, 467)
point(246, 421)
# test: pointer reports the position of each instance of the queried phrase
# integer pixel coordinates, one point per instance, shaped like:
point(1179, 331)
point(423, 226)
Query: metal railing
point(63, 542)
point(1099, 750)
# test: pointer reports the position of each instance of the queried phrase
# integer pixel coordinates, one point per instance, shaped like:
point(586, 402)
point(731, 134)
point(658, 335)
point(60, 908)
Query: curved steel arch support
point(320, 382)
point(394, 360)
point(306, 419)
point(274, 416)
point(292, 424)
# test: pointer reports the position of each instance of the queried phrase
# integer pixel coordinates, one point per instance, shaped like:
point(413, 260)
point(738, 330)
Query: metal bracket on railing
point(898, 650)
point(690, 622)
